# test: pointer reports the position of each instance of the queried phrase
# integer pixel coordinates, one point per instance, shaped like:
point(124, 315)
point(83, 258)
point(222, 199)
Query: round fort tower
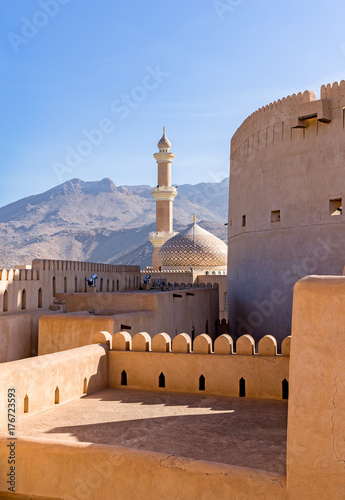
point(287, 185)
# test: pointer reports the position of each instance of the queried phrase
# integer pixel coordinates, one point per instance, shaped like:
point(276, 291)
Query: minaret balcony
point(163, 193)
point(158, 238)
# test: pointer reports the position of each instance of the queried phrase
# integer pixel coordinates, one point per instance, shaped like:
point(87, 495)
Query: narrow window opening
point(244, 221)
point(108, 288)
point(275, 216)
point(123, 378)
point(113, 287)
point(5, 301)
point(285, 389)
point(26, 404)
point(57, 396)
point(24, 299)
point(117, 285)
point(85, 285)
point(40, 298)
point(336, 206)
point(76, 285)
point(65, 284)
point(242, 388)
point(85, 386)
point(101, 285)
point(161, 380)
point(201, 383)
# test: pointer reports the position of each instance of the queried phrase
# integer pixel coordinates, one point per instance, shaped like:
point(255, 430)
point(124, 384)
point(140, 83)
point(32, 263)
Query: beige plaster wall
point(297, 171)
point(68, 331)
point(19, 335)
point(184, 310)
point(315, 442)
point(221, 281)
point(100, 472)
point(263, 374)
point(117, 302)
point(38, 378)
point(70, 276)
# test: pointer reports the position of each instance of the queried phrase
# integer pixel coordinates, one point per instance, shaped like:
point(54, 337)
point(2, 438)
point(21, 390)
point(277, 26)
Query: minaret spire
point(164, 195)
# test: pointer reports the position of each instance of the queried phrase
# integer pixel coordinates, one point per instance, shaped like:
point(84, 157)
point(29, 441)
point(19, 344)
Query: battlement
point(182, 343)
point(155, 271)
point(287, 110)
point(69, 265)
point(18, 275)
point(140, 362)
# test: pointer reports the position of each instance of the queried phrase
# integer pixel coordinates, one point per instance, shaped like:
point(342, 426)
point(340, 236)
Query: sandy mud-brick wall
point(83, 471)
point(315, 443)
point(165, 365)
point(44, 381)
point(285, 217)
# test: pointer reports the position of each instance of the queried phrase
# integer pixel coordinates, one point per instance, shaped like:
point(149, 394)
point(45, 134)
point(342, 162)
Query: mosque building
point(193, 255)
point(193, 248)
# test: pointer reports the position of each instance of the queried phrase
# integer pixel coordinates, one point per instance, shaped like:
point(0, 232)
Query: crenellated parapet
point(272, 123)
point(70, 265)
point(36, 287)
point(10, 275)
point(219, 368)
point(182, 343)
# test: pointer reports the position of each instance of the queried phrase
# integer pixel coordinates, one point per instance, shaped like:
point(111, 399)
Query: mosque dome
point(194, 247)
point(164, 142)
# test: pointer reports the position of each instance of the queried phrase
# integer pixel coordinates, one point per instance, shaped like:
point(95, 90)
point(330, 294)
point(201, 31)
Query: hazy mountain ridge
point(101, 222)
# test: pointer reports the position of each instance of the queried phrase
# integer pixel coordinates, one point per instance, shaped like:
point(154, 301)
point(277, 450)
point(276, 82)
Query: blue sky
point(123, 69)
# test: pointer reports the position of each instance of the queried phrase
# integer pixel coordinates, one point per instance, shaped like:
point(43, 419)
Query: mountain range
point(101, 222)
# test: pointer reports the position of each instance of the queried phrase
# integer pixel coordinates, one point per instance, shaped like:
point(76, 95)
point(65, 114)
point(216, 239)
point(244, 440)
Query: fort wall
point(193, 309)
point(100, 471)
point(53, 379)
point(36, 288)
point(26, 294)
point(68, 331)
point(193, 277)
point(146, 365)
point(19, 335)
point(285, 206)
point(315, 444)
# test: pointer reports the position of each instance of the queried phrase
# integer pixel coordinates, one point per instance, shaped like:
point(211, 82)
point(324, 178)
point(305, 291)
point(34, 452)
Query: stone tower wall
point(287, 164)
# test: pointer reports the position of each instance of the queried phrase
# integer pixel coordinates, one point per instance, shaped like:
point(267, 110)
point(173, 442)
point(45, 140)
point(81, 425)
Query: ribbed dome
point(193, 247)
point(164, 142)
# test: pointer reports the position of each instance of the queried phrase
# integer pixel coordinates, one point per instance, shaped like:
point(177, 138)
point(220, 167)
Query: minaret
point(164, 195)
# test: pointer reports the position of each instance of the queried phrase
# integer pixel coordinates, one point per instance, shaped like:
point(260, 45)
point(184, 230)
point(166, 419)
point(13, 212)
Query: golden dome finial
point(194, 219)
point(163, 129)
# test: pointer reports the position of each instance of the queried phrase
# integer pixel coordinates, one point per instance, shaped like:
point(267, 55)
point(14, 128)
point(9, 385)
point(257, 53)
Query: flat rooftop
point(236, 431)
